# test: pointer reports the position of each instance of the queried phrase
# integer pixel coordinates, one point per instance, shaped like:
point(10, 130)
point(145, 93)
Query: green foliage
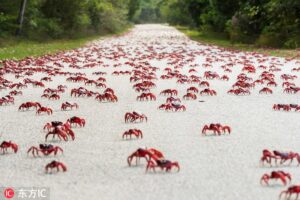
point(47, 19)
point(273, 23)
point(223, 42)
point(133, 6)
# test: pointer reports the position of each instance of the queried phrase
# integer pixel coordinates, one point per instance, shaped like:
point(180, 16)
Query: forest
point(270, 23)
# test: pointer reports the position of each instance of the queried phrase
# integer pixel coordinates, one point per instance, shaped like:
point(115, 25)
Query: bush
point(269, 40)
point(236, 34)
point(293, 42)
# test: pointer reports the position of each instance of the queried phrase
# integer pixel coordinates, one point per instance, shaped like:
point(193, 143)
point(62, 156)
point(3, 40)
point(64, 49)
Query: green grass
point(31, 48)
point(221, 41)
point(17, 48)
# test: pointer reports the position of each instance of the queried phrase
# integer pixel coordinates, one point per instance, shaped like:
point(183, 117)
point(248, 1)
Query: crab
point(204, 84)
point(275, 175)
point(76, 121)
point(172, 99)
point(192, 89)
point(134, 116)
point(268, 156)
point(148, 154)
point(167, 107)
point(45, 149)
point(54, 97)
point(136, 132)
point(55, 164)
point(178, 107)
point(169, 92)
point(109, 97)
point(239, 91)
point(146, 96)
point(224, 78)
point(278, 107)
point(66, 105)
point(265, 90)
point(295, 189)
point(189, 96)
point(50, 126)
point(8, 144)
point(216, 128)
point(285, 156)
point(29, 105)
point(38, 84)
point(272, 83)
point(62, 132)
point(45, 110)
point(15, 93)
point(162, 164)
point(208, 92)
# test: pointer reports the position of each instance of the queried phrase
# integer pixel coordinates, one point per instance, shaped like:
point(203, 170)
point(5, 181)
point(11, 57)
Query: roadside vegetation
point(222, 41)
point(15, 48)
point(266, 26)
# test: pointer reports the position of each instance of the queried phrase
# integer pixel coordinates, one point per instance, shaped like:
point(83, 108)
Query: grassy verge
point(18, 49)
point(222, 42)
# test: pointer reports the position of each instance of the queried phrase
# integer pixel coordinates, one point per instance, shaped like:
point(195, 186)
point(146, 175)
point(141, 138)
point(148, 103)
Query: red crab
point(5, 145)
point(224, 78)
point(208, 92)
point(275, 175)
point(76, 121)
point(45, 149)
point(55, 164)
point(178, 107)
point(62, 132)
point(146, 96)
point(15, 93)
point(172, 99)
point(266, 90)
point(169, 92)
point(189, 96)
point(53, 124)
point(295, 189)
point(136, 132)
point(45, 110)
point(54, 97)
point(28, 105)
point(134, 116)
point(148, 154)
point(66, 105)
point(204, 84)
point(107, 97)
point(162, 164)
point(167, 107)
point(192, 89)
point(216, 128)
point(272, 83)
point(278, 107)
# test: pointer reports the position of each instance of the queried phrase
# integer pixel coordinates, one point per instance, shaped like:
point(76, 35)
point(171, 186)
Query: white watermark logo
point(26, 193)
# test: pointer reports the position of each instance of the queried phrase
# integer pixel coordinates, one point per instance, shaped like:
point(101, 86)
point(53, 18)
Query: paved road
point(212, 167)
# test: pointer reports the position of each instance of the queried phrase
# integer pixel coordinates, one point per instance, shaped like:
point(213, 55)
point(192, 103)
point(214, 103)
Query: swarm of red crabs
point(280, 158)
point(189, 84)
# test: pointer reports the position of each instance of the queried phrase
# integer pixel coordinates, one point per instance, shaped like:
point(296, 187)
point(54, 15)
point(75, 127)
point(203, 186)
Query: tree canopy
point(264, 22)
point(64, 18)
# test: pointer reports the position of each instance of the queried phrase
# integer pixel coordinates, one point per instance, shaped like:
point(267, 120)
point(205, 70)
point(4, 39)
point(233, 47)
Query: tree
point(21, 16)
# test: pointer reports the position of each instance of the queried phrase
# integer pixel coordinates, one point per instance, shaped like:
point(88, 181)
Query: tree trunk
point(21, 17)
